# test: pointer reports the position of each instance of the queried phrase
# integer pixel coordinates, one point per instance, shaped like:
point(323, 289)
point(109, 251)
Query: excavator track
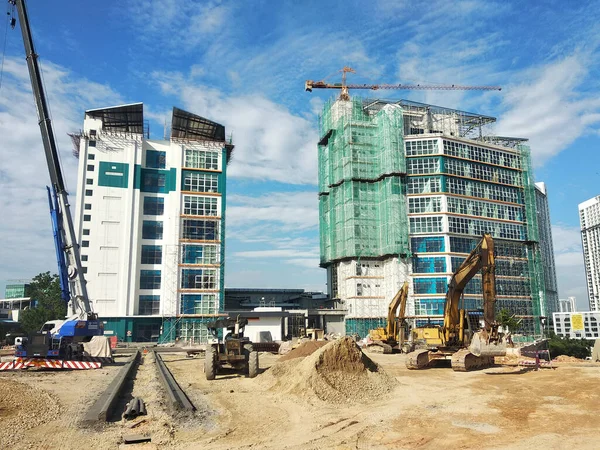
point(465, 361)
point(380, 347)
point(419, 359)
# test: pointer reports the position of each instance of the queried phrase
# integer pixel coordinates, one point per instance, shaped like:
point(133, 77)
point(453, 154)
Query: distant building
point(16, 298)
point(549, 299)
point(16, 289)
point(589, 218)
point(567, 305)
point(577, 325)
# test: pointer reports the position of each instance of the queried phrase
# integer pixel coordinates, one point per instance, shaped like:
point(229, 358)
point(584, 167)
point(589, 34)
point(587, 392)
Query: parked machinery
point(385, 340)
point(470, 339)
point(234, 350)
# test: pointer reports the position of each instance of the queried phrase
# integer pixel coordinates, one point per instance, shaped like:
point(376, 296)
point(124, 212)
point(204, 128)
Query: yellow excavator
point(385, 340)
point(469, 342)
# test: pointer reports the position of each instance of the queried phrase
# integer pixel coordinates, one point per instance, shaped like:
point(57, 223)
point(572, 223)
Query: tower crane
point(309, 85)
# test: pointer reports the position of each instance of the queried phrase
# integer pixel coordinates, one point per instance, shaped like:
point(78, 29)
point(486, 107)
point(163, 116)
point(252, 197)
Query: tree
point(508, 320)
point(45, 292)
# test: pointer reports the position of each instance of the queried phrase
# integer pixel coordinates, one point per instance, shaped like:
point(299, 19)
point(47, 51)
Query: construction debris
point(136, 407)
point(136, 438)
point(337, 372)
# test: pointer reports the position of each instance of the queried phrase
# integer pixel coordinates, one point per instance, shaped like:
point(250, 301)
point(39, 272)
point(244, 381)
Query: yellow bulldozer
point(469, 339)
point(386, 340)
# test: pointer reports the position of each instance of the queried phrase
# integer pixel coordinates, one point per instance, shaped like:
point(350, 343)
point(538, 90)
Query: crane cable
point(9, 18)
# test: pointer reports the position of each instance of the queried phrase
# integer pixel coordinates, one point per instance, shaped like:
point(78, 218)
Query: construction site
point(437, 245)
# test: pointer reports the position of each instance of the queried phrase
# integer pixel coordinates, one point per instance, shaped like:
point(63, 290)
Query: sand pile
point(565, 358)
point(304, 349)
point(338, 372)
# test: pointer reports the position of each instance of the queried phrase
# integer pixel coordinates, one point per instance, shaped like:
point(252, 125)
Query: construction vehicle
point(58, 338)
point(470, 339)
point(385, 340)
point(234, 351)
point(309, 85)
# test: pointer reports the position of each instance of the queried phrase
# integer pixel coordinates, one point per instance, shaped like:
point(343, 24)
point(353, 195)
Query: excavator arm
point(398, 300)
point(481, 258)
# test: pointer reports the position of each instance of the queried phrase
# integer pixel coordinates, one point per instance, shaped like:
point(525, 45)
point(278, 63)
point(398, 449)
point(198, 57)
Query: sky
point(243, 64)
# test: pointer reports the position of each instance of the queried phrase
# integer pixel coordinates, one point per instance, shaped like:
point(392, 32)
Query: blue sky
point(244, 64)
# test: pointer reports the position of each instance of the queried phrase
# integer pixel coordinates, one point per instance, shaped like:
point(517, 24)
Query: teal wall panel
point(113, 174)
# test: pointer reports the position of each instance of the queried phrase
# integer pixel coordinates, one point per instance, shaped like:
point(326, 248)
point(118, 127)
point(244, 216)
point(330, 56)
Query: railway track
point(177, 397)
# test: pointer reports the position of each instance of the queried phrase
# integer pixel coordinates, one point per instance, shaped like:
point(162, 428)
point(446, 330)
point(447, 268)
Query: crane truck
point(58, 338)
point(469, 339)
point(385, 340)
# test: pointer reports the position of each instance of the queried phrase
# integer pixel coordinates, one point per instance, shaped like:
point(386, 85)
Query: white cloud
point(25, 226)
point(271, 142)
point(547, 106)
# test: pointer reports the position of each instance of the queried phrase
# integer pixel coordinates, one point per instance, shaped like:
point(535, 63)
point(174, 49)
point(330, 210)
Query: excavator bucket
point(481, 345)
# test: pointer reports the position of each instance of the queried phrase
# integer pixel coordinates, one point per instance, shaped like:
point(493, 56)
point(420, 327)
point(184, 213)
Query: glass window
point(199, 304)
point(84, 257)
point(200, 254)
point(88, 192)
point(150, 279)
point(430, 224)
point(429, 265)
point(90, 167)
point(152, 229)
point(154, 206)
point(85, 243)
point(199, 279)
point(431, 244)
point(203, 230)
point(430, 285)
point(154, 179)
point(201, 159)
point(200, 181)
point(89, 181)
point(87, 206)
point(429, 306)
point(156, 159)
point(91, 156)
point(196, 205)
point(151, 254)
point(149, 305)
point(424, 204)
point(86, 232)
point(92, 143)
point(87, 217)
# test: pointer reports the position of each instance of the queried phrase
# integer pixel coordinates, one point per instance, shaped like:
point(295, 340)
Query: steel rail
point(177, 397)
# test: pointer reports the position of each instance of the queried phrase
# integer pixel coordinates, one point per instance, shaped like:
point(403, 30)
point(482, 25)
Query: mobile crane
point(386, 339)
point(58, 338)
point(463, 339)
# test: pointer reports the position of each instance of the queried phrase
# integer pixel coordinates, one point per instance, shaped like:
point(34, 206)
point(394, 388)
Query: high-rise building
point(150, 221)
point(589, 218)
point(546, 247)
point(567, 305)
point(406, 191)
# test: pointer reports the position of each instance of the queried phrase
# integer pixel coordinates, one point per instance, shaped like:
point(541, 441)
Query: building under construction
point(406, 191)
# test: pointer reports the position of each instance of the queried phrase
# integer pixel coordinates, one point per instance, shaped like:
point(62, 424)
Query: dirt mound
point(565, 358)
point(338, 372)
point(23, 407)
point(304, 349)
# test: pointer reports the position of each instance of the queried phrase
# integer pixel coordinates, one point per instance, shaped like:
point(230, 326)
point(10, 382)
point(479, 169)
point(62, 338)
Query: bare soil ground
point(430, 409)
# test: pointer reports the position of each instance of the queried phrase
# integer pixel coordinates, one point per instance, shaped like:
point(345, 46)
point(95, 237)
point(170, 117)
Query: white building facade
point(577, 325)
point(149, 218)
point(589, 218)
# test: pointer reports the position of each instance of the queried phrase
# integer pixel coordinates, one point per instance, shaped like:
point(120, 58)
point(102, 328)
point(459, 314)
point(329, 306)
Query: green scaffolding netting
point(361, 182)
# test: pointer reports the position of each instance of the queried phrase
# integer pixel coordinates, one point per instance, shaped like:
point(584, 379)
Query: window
point(154, 179)
point(151, 254)
point(424, 204)
point(196, 205)
point(85, 243)
point(431, 224)
point(89, 181)
point(204, 230)
point(427, 244)
point(423, 185)
point(86, 232)
point(201, 159)
point(200, 254)
point(91, 156)
point(149, 305)
point(199, 279)
point(152, 229)
point(156, 159)
point(430, 285)
point(154, 206)
point(200, 182)
point(88, 192)
point(90, 167)
point(425, 147)
point(84, 269)
point(420, 166)
point(477, 227)
point(92, 143)
point(199, 304)
point(429, 306)
point(87, 206)
point(84, 257)
point(429, 265)
point(87, 217)
point(150, 279)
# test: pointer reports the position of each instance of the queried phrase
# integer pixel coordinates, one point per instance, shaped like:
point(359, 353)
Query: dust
point(339, 372)
point(304, 349)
